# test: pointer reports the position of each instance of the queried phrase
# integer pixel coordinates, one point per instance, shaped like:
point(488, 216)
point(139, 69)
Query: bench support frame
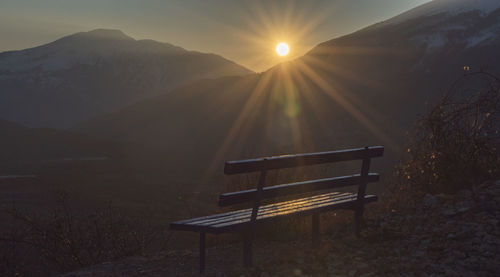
point(247, 249)
point(248, 235)
point(202, 252)
point(358, 216)
point(315, 229)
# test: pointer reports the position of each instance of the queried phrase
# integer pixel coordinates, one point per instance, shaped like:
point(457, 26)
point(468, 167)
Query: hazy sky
point(245, 31)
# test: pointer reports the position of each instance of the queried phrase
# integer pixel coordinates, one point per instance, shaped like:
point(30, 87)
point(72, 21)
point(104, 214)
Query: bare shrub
point(64, 240)
point(457, 143)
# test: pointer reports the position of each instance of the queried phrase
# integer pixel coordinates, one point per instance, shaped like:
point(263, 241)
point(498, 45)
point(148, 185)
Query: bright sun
point(282, 49)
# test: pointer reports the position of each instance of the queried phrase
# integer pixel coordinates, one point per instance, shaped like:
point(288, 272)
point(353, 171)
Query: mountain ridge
point(446, 7)
point(89, 73)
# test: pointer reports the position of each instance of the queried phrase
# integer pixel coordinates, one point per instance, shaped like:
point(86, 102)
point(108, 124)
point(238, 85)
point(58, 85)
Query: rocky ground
point(445, 235)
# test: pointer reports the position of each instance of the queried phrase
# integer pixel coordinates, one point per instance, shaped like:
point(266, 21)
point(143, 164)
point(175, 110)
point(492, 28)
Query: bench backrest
point(290, 161)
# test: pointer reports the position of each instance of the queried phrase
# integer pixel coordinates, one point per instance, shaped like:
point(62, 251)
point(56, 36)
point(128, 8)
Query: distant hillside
point(20, 144)
point(90, 73)
point(360, 89)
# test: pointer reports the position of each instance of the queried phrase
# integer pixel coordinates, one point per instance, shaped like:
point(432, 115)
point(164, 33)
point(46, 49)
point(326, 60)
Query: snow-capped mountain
point(446, 8)
point(457, 23)
point(89, 73)
point(439, 36)
point(463, 23)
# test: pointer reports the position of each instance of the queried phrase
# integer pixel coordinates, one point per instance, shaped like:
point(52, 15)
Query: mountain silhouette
point(90, 73)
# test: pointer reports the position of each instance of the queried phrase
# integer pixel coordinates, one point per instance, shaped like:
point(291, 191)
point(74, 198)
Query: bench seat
point(236, 220)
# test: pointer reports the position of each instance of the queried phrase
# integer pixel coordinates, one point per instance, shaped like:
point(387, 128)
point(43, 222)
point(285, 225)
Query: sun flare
point(282, 49)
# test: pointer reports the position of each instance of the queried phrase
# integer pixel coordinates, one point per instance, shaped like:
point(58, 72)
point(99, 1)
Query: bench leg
point(202, 252)
point(315, 229)
point(247, 249)
point(358, 218)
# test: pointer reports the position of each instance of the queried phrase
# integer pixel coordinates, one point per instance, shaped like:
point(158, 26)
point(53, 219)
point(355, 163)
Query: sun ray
point(268, 24)
point(348, 106)
point(297, 130)
point(309, 97)
point(242, 124)
point(340, 72)
point(293, 81)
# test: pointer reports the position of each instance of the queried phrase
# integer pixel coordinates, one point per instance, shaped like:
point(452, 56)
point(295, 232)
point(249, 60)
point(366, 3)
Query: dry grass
point(65, 238)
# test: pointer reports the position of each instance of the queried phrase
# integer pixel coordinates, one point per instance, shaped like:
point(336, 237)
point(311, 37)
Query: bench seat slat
point(278, 210)
point(232, 220)
point(237, 197)
point(294, 211)
point(343, 204)
point(272, 208)
point(262, 209)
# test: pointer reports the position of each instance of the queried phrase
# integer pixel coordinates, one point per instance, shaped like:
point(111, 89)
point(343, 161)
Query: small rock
point(419, 253)
point(465, 193)
point(449, 212)
point(430, 200)
point(493, 222)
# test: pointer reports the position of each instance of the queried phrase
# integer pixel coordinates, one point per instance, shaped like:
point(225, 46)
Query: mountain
point(365, 88)
point(414, 57)
point(90, 73)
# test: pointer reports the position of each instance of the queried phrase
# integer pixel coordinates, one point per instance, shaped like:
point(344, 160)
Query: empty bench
point(244, 220)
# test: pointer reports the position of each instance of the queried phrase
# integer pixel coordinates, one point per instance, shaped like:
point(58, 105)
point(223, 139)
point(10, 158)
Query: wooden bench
point(244, 220)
